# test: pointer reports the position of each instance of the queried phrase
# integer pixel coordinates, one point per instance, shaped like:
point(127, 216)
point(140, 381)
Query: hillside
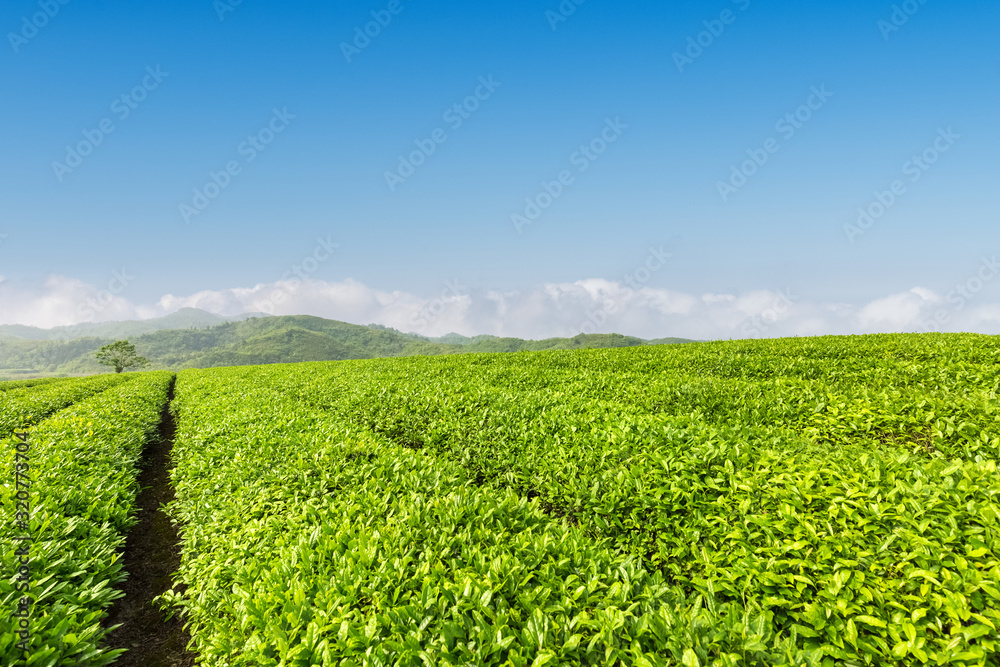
point(195, 339)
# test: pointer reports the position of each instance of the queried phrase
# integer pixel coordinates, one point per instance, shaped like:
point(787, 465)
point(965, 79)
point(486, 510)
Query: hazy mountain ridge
point(185, 318)
point(205, 342)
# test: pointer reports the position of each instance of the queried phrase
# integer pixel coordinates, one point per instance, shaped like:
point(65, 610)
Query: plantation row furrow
point(873, 554)
point(25, 407)
point(307, 541)
point(82, 464)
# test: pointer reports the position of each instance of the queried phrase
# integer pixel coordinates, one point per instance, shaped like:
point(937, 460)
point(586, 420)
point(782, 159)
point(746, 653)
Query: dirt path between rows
point(152, 555)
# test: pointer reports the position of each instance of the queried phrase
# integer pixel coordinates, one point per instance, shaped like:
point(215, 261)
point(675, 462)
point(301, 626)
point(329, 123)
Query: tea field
point(809, 501)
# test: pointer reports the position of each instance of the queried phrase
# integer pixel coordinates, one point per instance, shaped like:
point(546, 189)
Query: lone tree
point(120, 354)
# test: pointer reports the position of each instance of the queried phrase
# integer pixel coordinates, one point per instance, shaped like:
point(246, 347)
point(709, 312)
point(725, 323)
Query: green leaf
point(690, 658)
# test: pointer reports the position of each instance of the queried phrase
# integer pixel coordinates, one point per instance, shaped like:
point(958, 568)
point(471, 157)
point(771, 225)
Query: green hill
point(192, 339)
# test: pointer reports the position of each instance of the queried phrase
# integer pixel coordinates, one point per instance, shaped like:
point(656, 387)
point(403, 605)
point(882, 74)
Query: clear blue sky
point(559, 82)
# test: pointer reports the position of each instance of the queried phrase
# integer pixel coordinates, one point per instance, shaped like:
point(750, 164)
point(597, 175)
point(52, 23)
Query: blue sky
point(439, 250)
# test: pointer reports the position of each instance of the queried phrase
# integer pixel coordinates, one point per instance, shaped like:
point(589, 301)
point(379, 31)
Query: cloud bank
point(553, 309)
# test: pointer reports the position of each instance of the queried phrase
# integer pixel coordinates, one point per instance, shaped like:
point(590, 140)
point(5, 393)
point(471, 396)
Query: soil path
point(152, 555)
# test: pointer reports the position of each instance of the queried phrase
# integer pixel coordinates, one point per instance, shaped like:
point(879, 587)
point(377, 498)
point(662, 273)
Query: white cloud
point(898, 310)
point(58, 301)
point(552, 309)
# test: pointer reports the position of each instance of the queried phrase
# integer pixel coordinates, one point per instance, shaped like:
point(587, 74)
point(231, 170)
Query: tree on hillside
point(120, 354)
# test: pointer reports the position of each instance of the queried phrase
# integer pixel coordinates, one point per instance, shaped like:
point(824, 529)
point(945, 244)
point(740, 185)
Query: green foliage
point(21, 384)
point(844, 490)
point(309, 542)
point(121, 356)
point(83, 467)
point(25, 407)
point(819, 501)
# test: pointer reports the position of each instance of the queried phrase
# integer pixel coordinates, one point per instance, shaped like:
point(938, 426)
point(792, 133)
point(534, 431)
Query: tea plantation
point(808, 501)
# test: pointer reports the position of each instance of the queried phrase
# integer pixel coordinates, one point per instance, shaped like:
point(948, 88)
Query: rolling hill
point(196, 339)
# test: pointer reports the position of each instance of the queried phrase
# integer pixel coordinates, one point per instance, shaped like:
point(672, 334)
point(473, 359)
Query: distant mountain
point(185, 318)
point(202, 340)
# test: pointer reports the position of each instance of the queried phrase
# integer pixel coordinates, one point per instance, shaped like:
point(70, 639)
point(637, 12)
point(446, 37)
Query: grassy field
point(811, 501)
